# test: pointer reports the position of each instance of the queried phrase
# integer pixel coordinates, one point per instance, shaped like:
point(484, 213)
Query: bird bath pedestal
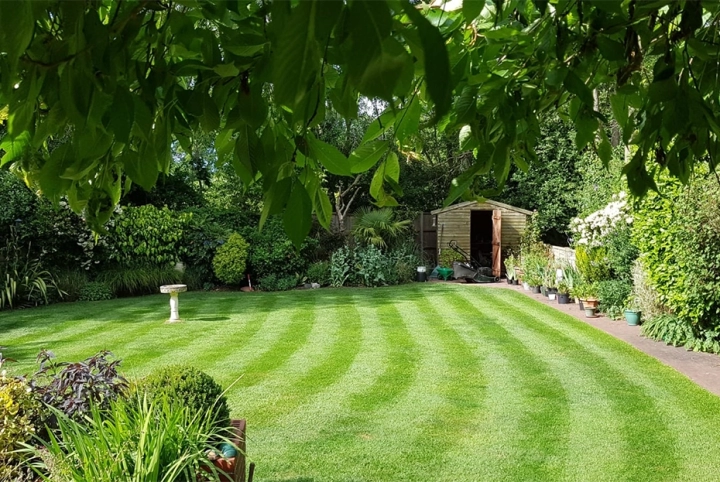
point(173, 290)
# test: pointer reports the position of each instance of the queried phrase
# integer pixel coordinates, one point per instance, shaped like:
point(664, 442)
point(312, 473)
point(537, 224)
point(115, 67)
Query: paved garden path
point(702, 368)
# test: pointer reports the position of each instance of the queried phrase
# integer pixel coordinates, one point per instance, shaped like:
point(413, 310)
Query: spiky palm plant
point(377, 226)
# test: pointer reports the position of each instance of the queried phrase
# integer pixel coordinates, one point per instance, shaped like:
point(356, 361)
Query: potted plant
point(563, 295)
point(632, 313)
point(510, 269)
point(589, 297)
point(533, 280)
point(590, 312)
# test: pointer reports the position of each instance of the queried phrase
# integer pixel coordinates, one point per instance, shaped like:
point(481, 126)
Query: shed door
point(497, 243)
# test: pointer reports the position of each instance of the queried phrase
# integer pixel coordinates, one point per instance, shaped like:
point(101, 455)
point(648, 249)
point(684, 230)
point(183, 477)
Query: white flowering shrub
point(592, 230)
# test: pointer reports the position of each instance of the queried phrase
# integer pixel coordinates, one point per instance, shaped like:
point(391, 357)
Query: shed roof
point(487, 201)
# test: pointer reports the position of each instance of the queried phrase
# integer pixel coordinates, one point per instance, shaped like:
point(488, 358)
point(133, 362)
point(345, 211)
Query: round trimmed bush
point(190, 387)
point(230, 260)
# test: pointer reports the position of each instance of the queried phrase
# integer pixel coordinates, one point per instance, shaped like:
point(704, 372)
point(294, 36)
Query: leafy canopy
point(120, 81)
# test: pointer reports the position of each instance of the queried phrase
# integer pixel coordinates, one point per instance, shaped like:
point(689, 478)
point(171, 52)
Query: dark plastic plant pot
point(535, 289)
point(563, 298)
point(632, 317)
point(509, 281)
point(543, 291)
point(580, 304)
point(515, 282)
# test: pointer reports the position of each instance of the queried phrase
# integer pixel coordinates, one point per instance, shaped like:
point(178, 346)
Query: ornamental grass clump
point(139, 439)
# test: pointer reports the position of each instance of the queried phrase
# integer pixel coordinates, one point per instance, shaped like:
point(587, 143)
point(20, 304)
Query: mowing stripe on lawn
point(296, 444)
point(202, 339)
point(395, 426)
point(536, 452)
point(463, 390)
point(647, 440)
point(326, 357)
point(676, 413)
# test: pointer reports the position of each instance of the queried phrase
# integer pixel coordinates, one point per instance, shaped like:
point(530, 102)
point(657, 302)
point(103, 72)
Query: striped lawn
point(422, 382)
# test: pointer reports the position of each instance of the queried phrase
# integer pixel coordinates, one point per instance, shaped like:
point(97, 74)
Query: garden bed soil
point(702, 368)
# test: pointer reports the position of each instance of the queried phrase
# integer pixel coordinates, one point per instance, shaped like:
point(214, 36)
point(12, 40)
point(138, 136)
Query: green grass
point(423, 382)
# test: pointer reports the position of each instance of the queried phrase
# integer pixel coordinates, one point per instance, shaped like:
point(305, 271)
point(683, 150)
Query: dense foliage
point(19, 412)
point(113, 84)
point(678, 234)
point(146, 235)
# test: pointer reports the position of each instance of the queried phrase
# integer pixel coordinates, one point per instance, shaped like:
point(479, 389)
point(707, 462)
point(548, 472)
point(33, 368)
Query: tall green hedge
point(678, 236)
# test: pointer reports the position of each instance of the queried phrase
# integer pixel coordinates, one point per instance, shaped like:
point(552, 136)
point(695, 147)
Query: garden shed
point(485, 230)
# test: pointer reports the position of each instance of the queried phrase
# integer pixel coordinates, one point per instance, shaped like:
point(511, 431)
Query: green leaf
point(224, 145)
point(377, 181)
point(466, 105)
point(577, 86)
point(323, 208)
point(210, 119)
point(344, 99)
point(297, 55)
point(541, 5)
point(329, 156)
point(611, 49)
point(392, 167)
point(586, 127)
point(298, 215)
point(471, 9)
point(227, 70)
point(605, 151)
point(662, 91)
point(408, 121)
point(252, 106)
point(369, 23)
point(14, 147)
point(52, 185)
point(367, 155)
point(620, 109)
point(437, 61)
point(379, 126)
point(122, 115)
point(501, 161)
point(467, 139)
point(244, 160)
point(143, 171)
point(17, 23)
point(383, 74)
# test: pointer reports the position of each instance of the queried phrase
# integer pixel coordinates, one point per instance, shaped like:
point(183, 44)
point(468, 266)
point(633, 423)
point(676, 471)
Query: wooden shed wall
point(457, 226)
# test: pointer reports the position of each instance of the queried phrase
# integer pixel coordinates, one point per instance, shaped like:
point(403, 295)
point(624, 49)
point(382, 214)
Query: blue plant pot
point(632, 317)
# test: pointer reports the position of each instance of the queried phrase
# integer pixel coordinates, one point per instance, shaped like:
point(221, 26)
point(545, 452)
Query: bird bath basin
point(173, 291)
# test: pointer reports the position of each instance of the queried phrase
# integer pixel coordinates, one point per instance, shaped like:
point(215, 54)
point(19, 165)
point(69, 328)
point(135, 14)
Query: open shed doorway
point(481, 237)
